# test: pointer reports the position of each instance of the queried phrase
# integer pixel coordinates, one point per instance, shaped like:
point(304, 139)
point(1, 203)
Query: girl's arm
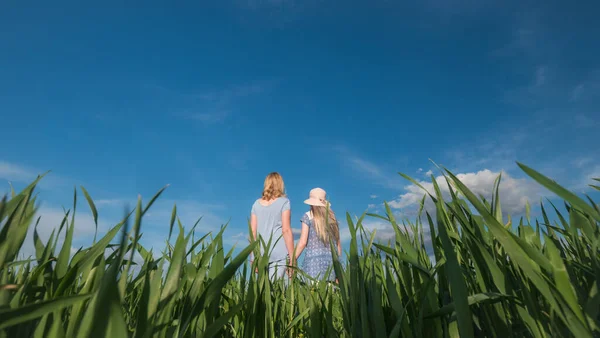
point(339, 247)
point(302, 241)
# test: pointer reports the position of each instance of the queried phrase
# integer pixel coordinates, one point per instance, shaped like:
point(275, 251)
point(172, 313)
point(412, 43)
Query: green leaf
point(560, 191)
point(62, 262)
point(10, 317)
point(93, 208)
point(457, 281)
point(218, 324)
point(480, 298)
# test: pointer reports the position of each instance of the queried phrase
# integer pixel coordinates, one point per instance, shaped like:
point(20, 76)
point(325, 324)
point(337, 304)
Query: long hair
point(273, 187)
point(325, 223)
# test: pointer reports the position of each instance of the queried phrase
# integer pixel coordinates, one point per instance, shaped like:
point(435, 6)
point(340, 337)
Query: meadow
point(491, 278)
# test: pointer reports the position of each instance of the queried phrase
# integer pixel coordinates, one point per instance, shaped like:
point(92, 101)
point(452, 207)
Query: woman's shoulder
point(278, 201)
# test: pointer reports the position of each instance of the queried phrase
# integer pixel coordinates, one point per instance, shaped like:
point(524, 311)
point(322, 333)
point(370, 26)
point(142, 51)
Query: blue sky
point(340, 95)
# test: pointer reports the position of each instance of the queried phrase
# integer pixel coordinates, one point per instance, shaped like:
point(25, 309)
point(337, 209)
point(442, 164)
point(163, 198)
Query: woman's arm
point(302, 241)
point(253, 225)
point(286, 230)
point(339, 247)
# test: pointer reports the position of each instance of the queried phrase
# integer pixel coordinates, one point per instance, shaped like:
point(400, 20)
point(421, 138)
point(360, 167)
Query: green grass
point(491, 278)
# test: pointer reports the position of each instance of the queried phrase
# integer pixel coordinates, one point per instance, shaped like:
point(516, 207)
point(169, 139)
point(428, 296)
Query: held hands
point(290, 268)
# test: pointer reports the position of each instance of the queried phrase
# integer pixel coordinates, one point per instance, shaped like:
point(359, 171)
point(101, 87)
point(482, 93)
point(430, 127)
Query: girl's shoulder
point(306, 218)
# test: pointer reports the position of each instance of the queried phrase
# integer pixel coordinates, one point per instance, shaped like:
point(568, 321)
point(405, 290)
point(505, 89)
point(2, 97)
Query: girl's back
point(319, 230)
point(317, 255)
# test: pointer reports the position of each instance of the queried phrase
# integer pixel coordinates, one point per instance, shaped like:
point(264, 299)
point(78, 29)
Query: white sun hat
point(316, 197)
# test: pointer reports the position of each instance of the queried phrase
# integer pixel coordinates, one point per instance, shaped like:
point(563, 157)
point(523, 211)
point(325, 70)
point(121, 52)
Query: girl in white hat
point(319, 228)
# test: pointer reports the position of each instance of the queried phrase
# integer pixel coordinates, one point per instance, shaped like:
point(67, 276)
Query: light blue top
point(317, 254)
point(269, 222)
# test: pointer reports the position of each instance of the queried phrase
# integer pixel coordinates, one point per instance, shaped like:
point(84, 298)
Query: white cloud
point(514, 192)
point(591, 170)
point(373, 196)
point(384, 231)
point(429, 173)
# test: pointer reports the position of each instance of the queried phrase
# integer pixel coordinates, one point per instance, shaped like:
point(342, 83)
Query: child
point(319, 228)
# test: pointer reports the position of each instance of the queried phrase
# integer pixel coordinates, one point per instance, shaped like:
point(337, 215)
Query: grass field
point(491, 278)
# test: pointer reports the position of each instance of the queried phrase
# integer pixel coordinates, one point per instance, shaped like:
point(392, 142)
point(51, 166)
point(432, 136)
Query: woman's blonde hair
point(273, 187)
point(325, 223)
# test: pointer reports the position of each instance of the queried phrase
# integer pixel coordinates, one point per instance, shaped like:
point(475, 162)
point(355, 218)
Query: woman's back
point(268, 216)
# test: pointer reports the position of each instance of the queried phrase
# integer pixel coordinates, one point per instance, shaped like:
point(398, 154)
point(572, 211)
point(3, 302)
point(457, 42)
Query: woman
point(271, 216)
point(319, 228)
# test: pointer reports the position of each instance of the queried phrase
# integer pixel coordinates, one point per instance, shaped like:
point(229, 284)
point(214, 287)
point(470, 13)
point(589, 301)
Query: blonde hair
point(326, 229)
point(273, 187)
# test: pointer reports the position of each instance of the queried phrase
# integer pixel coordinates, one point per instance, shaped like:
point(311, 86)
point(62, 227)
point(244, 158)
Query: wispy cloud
point(553, 90)
point(117, 202)
point(209, 106)
point(453, 10)
point(13, 172)
point(22, 174)
point(207, 117)
point(281, 11)
point(239, 159)
point(586, 121)
point(266, 3)
point(528, 37)
point(368, 170)
point(577, 92)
